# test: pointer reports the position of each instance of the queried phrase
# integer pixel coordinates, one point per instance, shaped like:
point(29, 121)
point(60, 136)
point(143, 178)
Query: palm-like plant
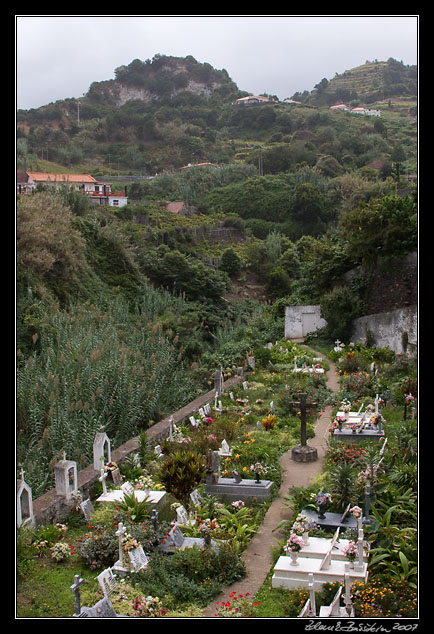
point(181, 473)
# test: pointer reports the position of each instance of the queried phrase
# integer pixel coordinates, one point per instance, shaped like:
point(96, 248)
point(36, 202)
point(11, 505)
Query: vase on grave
point(340, 425)
point(321, 511)
point(257, 481)
point(305, 538)
point(294, 557)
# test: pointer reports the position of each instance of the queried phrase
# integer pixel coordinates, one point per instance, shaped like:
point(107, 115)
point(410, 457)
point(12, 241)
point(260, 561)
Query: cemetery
point(164, 531)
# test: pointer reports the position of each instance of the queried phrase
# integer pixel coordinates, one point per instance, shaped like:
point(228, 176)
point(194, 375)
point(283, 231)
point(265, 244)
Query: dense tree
point(383, 227)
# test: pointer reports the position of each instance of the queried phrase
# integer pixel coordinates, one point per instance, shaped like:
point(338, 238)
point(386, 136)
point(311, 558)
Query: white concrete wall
point(299, 320)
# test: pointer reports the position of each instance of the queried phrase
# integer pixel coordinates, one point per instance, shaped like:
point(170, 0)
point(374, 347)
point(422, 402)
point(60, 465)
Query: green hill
point(169, 112)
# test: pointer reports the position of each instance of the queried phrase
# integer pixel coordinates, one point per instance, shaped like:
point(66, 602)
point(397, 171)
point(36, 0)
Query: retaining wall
point(51, 507)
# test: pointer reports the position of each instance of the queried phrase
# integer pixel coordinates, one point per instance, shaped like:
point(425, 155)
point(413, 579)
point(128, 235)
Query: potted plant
point(293, 546)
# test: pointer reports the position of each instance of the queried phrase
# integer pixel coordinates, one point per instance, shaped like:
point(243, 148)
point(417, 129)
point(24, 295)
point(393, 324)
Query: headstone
point(309, 608)
point(182, 516)
point(87, 508)
point(194, 422)
point(158, 452)
point(195, 497)
point(138, 559)
point(207, 409)
point(245, 385)
point(176, 540)
point(331, 520)
point(24, 502)
point(116, 476)
point(101, 450)
point(65, 473)
point(224, 449)
point(236, 476)
point(101, 610)
point(201, 412)
point(334, 609)
point(107, 582)
point(303, 452)
point(218, 382)
point(231, 395)
point(127, 488)
point(212, 467)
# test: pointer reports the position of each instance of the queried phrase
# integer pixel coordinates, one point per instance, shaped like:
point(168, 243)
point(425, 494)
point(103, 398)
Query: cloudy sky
point(58, 57)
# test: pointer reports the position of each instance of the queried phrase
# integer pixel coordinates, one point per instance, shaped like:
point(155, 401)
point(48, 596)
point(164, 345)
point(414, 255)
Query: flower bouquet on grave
point(129, 543)
point(207, 528)
point(146, 607)
point(259, 470)
point(293, 546)
point(112, 469)
point(351, 552)
point(323, 500)
point(356, 512)
point(302, 526)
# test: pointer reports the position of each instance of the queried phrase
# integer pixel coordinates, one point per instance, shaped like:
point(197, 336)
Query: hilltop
point(165, 113)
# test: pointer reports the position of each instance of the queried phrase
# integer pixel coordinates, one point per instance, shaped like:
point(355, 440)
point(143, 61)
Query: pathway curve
point(257, 557)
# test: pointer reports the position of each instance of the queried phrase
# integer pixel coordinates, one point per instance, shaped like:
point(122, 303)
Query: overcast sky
point(58, 57)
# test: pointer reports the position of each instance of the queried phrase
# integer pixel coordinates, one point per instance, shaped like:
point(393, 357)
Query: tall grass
point(95, 368)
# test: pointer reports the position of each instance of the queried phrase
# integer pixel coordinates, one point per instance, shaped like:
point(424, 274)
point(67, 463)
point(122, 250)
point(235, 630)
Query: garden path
point(257, 557)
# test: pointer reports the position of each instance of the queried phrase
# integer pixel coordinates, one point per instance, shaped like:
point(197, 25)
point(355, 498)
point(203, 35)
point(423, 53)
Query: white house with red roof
point(99, 191)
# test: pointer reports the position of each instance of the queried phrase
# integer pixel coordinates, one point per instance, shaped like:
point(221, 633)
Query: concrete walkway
point(257, 557)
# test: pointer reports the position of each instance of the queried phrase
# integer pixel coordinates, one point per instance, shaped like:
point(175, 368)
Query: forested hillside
point(125, 314)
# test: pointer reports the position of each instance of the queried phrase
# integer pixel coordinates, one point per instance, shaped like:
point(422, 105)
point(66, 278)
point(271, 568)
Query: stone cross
point(102, 479)
point(154, 519)
point(303, 405)
point(120, 533)
point(76, 588)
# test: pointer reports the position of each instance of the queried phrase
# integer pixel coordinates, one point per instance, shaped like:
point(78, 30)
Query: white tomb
point(65, 473)
point(326, 570)
point(24, 502)
point(118, 495)
point(101, 450)
point(318, 547)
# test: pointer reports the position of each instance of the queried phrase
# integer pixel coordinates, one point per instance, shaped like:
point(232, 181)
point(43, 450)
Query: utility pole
point(78, 113)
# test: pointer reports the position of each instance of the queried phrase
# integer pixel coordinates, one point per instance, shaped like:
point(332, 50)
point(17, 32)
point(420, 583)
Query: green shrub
point(181, 473)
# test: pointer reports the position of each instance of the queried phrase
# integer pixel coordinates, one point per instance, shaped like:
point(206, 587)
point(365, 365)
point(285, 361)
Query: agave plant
point(136, 510)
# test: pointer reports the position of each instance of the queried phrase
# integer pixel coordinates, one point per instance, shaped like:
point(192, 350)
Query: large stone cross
point(302, 452)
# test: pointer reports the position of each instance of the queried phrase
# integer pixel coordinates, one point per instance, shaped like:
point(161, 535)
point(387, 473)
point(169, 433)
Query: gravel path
point(258, 555)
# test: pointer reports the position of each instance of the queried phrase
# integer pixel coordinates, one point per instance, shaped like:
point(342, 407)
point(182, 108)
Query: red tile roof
point(67, 178)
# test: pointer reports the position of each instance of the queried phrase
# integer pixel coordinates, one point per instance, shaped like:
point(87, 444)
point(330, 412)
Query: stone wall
point(51, 507)
point(388, 329)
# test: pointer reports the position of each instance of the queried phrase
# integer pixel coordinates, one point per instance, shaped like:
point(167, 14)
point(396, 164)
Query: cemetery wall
point(388, 329)
point(51, 507)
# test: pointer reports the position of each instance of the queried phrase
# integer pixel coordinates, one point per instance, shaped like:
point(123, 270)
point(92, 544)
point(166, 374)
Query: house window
point(116, 203)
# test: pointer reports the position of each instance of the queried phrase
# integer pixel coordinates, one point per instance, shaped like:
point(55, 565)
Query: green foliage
point(230, 262)
point(181, 473)
point(339, 307)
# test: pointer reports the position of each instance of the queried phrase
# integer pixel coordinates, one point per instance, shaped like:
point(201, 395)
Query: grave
point(318, 547)
point(87, 508)
point(235, 488)
point(335, 609)
point(101, 610)
point(309, 608)
point(117, 495)
point(65, 473)
point(175, 540)
point(332, 520)
point(24, 502)
point(303, 452)
point(101, 450)
point(326, 570)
